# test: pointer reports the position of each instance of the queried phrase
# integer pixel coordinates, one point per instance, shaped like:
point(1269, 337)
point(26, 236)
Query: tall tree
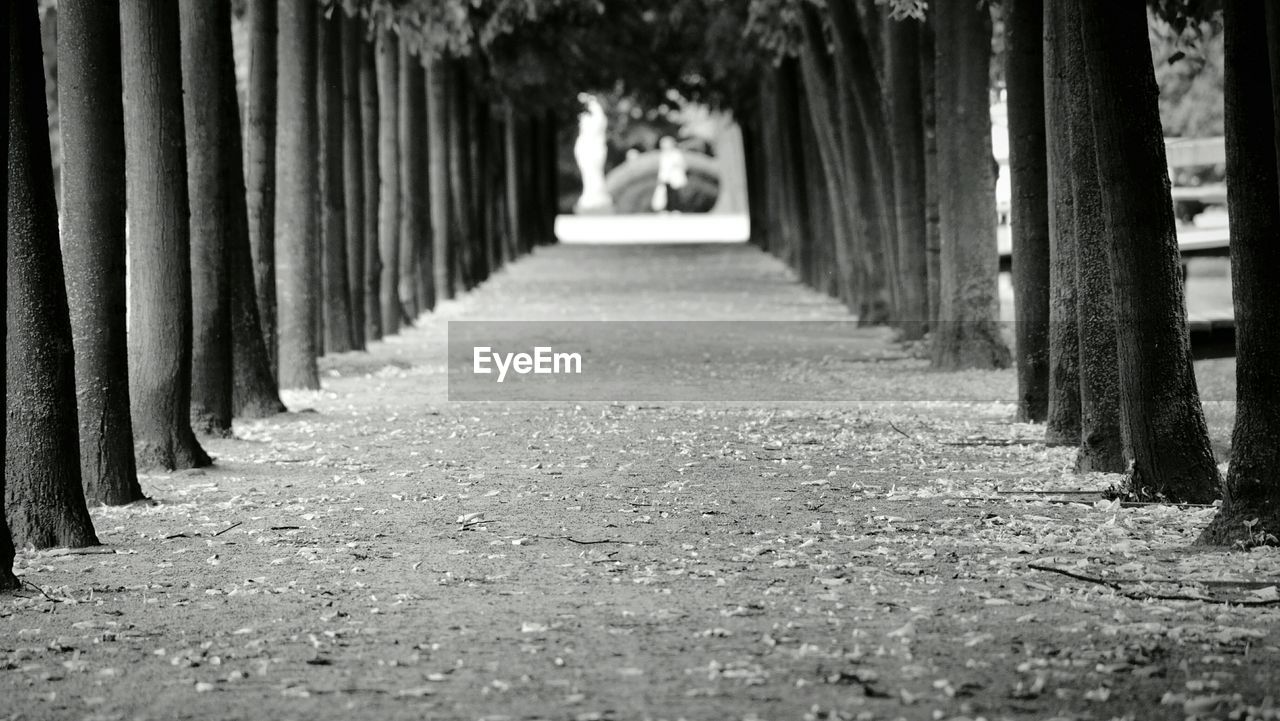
point(1062, 426)
point(211, 119)
point(906, 142)
point(1102, 445)
point(370, 149)
point(413, 120)
point(159, 237)
point(1251, 500)
point(1172, 457)
point(8, 581)
point(93, 241)
point(388, 64)
point(44, 504)
point(1029, 210)
point(260, 164)
point(336, 294)
point(297, 191)
point(867, 144)
point(968, 335)
point(929, 111)
point(438, 177)
point(353, 33)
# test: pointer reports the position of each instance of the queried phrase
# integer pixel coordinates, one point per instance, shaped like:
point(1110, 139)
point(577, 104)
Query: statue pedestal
point(594, 204)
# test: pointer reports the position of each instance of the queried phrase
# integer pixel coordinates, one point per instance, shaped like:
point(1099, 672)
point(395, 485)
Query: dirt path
point(853, 560)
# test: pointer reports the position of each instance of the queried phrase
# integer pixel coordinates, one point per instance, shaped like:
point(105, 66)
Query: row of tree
point(374, 173)
point(871, 173)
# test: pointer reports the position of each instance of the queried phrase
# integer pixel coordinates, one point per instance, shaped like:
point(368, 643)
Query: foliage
point(1189, 63)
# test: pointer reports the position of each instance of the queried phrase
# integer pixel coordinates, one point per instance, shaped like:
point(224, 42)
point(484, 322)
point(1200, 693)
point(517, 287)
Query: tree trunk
point(1251, 498)
point(840, 191)
point(353, 173)
point(389, 178)
point(369, 149)
point(44, 504)
point(477, 153)
point(260, 166)
point(438, 177)
point(209, 99)
point(460, 175)
point(1029, 211)
point(933, 232)
point(1172, 456)
point(1062, 427)
point(159, 238)
point(93, 236)
point(253, 382)
point(1102, 444)
point(8, 581)
point(867, 144)
point(253, 392)
point(336, 294)
point(968, 335)
point(906, 142)
point(297, 193)
point(511, 151)
point(412, 124)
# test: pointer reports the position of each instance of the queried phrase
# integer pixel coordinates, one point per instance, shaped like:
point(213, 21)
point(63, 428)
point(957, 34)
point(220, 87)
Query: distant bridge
point(632, 183)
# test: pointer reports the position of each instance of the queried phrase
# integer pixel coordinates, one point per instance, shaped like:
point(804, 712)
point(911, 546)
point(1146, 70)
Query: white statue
point(590, 150)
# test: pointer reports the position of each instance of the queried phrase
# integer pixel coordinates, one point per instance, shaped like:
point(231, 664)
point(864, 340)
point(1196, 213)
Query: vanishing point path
point(383, 553)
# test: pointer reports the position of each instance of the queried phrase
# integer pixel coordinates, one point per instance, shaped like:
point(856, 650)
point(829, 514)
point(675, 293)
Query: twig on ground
point(591, 543)
point(1063, 501)
point(228, 528)
point(1115, 585)
point(41, 590)
point(904, 434)
point(1050, 493)
point(993, 442)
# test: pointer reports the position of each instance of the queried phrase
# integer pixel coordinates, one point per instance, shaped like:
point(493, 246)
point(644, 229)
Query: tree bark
point(1029, 211)
point(438, 177)
point(92, 222)
point(44, 504)
point(412, 124)
point(209, 100)
point(389, 179)
point(906, 143)
point(353, 32)
point(968, 335)
point(1102, 443)
point(1251, 498)
point(1172, 456)
point(818, 82)
point(297, 193)
point(511, 151)
point(869, 149)
point(260, 166)
point(369, 149)
point(254, 393)
point(13, 17)
point(933, 231)
point(459, 176)
point(1062, 427)
point(160, 331)
point(336, 294)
